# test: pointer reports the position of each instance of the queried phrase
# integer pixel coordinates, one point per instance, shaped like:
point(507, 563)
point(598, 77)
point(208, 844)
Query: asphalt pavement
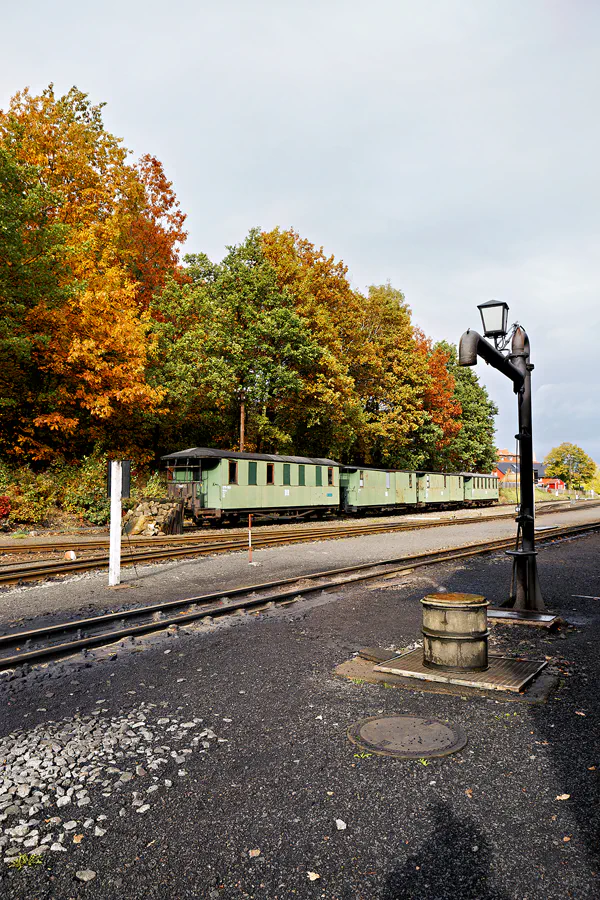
point(252, 808)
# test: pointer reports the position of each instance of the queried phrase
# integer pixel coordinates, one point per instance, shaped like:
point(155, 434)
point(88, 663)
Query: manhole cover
point(407, 737)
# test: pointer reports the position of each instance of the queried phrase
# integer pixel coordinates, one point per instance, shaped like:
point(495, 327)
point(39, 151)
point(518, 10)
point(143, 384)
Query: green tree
point(473, 448)
point(571, 464)
point(231, 347)
point(32, 255)
point(594, 483)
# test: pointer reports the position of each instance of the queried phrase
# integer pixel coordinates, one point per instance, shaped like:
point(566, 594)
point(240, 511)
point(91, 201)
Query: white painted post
point(250, 537)
point(116, 487)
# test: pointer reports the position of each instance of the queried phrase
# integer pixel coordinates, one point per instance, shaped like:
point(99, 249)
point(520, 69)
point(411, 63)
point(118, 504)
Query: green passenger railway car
point(222, 485)
point(365, 489)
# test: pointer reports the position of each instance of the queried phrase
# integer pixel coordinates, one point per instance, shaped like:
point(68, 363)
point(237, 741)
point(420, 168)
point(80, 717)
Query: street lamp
point(494, 315)
point(526, 595)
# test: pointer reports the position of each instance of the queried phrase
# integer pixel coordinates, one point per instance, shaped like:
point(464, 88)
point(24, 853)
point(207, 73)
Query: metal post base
point(526, 593)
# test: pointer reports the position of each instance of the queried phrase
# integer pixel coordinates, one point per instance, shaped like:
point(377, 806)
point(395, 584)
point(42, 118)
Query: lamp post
point(525, 595)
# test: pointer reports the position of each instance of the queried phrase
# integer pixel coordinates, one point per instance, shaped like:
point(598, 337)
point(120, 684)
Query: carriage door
point(344, 483)
point(200, 486)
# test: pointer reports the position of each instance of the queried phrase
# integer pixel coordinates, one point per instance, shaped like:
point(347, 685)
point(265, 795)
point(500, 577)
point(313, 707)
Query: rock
point(340, 825)
point(63, 801)
point(99, 832)
point(144, 808)
point(58, 848)
point(85, 875)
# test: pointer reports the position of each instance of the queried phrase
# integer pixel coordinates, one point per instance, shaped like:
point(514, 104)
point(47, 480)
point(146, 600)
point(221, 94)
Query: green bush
point(75, 488)
point(152, 488)
point(31, 496)
point(85, 488)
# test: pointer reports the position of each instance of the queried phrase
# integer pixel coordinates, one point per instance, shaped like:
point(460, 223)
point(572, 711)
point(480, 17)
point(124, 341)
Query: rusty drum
point(455, 633)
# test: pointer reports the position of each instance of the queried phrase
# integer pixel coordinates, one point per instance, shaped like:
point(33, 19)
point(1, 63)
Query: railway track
point(175, 547)
point(34, 646)
point(101, 543)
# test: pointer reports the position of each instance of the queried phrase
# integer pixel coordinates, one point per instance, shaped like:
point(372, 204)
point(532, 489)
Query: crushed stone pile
point(57, 779)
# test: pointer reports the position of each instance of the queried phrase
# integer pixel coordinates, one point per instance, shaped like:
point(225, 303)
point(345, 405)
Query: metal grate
point(503, 674)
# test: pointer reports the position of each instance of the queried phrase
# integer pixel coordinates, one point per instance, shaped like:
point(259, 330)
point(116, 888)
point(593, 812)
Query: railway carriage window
point(232, 472)
point(252, 472)
point(196, 473)
point(387, 479)
point(428, 481)
point(330, 475)
point(361, 478)
point(286, 473)
point(170, 473)
point(444, 481)
point(301, 476)
point(270, 473)
point(318, 476)
point(410, 480)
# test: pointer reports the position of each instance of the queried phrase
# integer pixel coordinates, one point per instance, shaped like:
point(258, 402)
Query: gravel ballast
point(188, 578)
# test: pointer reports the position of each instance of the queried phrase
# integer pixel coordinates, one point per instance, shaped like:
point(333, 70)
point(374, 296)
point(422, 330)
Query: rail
point(96, 630)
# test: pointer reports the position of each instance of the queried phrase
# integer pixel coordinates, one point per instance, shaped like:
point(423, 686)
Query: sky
point(447, 146)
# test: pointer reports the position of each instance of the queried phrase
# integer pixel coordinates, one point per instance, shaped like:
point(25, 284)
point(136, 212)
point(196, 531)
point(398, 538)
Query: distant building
point(509, 473)
point(552, 484)
point(505, 456)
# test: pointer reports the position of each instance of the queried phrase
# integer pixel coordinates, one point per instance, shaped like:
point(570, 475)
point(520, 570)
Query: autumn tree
point(571, 464)
point(120, 229)
point(390, 376)
point(442, 420)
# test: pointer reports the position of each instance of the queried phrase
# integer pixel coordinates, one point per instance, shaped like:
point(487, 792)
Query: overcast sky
point(449, 146)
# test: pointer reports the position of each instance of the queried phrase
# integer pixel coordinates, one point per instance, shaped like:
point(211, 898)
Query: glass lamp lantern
point(494, 315)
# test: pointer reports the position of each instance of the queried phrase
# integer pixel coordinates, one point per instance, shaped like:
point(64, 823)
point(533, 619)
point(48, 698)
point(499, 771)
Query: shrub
point(28, 497)
point(31, 496)
point(154, 488)
point(85, 489)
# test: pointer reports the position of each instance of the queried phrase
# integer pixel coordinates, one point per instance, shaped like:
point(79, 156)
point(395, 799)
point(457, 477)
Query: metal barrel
point(455, 632)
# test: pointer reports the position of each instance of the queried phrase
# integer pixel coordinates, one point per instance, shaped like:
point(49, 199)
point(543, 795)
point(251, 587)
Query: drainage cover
point(407, 737)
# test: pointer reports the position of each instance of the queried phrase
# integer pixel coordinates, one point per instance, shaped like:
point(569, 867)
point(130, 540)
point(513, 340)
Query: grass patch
point(24, 860)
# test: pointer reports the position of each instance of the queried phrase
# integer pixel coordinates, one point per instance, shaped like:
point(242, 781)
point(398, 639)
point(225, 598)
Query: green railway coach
point(439, 489)
point(222, 485)
point(365, 488)
point(480, 490)
point(362, 488)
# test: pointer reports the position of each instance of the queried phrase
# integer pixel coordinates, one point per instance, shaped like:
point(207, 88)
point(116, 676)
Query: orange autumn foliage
point(439, 400)
point(123, 227)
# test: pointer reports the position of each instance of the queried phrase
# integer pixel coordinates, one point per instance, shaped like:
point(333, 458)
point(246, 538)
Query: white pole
point(114, 558)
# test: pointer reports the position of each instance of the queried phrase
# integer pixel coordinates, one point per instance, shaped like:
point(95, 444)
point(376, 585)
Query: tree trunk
point(242, 425)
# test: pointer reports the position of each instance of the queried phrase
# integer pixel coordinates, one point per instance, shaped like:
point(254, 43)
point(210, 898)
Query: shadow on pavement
point(455, 861)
